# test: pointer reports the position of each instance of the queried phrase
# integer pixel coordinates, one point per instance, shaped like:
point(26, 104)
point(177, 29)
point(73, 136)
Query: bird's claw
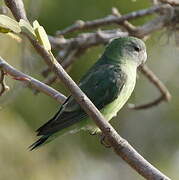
point(103, 141)
point(93, 133)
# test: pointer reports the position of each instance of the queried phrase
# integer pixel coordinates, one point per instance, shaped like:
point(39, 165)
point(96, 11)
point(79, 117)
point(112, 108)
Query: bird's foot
point(104, 141)
point(93, 133)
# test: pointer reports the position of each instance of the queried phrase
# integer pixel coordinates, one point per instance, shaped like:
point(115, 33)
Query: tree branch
point(111, 19)
point(3, 85)
point(147, 105)
point(171, 2)
point(3, 10)
point(17, 9)
point(86, 40)
point(165, 94)
point(29, 81)
point(156, 81)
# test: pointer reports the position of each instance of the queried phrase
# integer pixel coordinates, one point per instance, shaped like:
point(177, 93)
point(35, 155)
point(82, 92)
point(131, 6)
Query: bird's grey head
point(127, 49)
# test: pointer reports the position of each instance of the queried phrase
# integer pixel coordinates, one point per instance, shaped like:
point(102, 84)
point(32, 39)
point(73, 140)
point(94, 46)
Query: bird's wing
point(102, 86)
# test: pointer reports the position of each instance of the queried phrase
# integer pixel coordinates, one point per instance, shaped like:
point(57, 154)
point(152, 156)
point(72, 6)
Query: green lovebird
point(108, 84)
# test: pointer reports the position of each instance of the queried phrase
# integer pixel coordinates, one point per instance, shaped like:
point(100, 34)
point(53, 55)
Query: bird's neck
point(128, 66)
point(121, 61)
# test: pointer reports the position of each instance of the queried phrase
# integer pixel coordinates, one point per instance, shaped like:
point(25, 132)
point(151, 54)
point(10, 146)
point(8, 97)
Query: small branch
point(154, 2)
point(3, 10)
point(2, 82)
point(17, 9)
point(91, 39)
point(48, 81)
point(171, 2)
point(111, 19)
point(86, 40)
point(151, 26)
point(69, 59)
point(65, 64)
point(147, 105)
point(3, 85)
point(126, 24)
point(29, 81)
point(165, 94)
point(156, 81)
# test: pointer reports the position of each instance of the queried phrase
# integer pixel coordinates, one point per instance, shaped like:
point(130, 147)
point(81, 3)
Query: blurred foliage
point(153, 132)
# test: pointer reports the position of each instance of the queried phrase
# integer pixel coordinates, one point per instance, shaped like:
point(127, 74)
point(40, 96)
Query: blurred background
point(153, 132)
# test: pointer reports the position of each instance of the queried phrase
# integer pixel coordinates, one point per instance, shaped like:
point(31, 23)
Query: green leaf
point(9, 25)
point(36, 24)
point(41, 35)
point(27, 28)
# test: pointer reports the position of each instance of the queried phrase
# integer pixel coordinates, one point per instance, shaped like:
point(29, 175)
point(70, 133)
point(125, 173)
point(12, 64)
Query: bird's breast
point(111, 109)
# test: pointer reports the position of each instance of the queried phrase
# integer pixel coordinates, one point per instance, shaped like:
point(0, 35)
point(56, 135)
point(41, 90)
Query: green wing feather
point(102, 85)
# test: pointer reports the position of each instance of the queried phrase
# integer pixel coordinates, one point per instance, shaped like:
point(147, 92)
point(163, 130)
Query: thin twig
point(29, 81)
point(171, 2)
point(2, 82)
point(111, 19)
point(3, 85)
point(165, 94)
point(126, 24)
point(154, 2)
point(152, 26)
point(48, 81)
point(86, 40)
point(147, 105)
point(69, 59)
point(156, 81)
point(3, 10)
point(17, 9)
point(65, 64)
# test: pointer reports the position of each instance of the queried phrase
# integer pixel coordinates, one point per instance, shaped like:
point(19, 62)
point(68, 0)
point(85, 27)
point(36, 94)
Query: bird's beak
point(144, 58)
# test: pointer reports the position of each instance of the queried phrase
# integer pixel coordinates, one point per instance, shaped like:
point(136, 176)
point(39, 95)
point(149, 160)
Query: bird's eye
point(136, 48)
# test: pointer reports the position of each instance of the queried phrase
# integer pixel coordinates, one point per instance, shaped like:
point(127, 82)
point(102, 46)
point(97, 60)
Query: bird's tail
point(39, 142)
